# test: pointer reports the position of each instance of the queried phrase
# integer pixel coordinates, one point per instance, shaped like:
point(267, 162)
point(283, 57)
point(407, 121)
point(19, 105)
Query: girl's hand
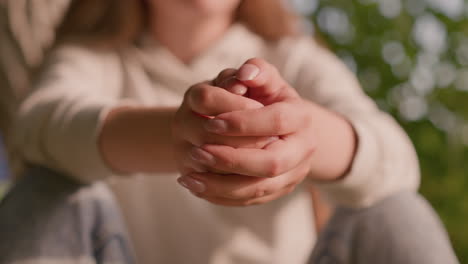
point(256, 175)
point(201, 102)
point(284, 115)
point(240, 190)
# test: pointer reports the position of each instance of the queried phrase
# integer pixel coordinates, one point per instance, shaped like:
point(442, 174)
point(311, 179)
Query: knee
point(43, 194)
point(48, 214)
point(404, 211)
point(41, 185)
point(403, 228)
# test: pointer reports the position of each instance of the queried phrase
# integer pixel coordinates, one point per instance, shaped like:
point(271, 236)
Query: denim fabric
point(47, 218)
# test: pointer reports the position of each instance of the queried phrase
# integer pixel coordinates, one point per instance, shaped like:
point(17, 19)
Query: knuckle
point(236, 124)
point(201, 95)
point(259, 192)
point(311, 150)
point(280, 121)
point(252, 194)
point(235, 194)
point(229, 162)
point(275, 167)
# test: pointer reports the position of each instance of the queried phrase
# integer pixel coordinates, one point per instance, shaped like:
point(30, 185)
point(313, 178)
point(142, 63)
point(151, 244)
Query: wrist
point(137, 139)
point(336, 144)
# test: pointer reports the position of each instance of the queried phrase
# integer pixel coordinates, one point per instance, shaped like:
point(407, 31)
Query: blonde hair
point(117, 22)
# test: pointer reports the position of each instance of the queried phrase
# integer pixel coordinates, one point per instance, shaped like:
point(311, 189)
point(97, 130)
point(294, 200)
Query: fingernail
point(239, 89)
point(198, 168)
point(248, 72)
point(202, 156)
point(227, 82)
point(216, 126)
point(192, 184)
point(272, 139)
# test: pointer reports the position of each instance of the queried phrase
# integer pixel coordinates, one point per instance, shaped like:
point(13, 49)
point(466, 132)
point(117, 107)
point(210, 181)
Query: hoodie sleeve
point(58, 122)
point(385, 161)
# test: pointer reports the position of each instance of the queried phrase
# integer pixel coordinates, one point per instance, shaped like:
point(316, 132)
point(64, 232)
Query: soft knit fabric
point(27, 30)
point(60, 120)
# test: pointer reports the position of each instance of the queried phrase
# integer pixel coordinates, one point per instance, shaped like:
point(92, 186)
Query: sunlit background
point(412, 58)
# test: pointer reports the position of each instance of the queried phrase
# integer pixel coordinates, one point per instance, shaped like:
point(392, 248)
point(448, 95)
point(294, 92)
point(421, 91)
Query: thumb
point(265, 83)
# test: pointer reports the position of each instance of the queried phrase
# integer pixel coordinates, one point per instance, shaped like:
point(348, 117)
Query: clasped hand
point(244, 138)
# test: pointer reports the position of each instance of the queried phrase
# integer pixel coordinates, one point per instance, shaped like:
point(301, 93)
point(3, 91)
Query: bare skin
point(252, 149)
point(312, 141)
point(198, 22)
point(150, 126)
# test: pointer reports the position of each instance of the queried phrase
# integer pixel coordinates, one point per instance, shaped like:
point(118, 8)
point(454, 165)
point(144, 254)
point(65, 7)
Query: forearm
point(336, 144)
point(137, 139)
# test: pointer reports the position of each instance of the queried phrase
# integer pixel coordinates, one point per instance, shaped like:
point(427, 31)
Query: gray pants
point(400, 229)
point(47, 218)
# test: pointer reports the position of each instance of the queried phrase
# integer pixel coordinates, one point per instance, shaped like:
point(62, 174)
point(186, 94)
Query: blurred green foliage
point(411, 56)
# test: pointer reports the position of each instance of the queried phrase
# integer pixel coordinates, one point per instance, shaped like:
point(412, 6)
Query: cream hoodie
point(59, 122)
